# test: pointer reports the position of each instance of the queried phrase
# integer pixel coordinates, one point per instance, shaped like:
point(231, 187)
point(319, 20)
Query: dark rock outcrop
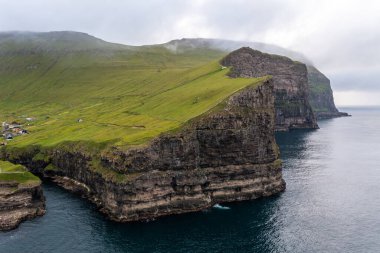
point(19, 202)
point(228, 154)
point(291, 84)
point(321, 95)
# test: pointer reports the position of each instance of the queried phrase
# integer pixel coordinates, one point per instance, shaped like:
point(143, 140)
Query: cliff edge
point(21, 196)
point(291, 84)
point(321, 95)
point(227, 154)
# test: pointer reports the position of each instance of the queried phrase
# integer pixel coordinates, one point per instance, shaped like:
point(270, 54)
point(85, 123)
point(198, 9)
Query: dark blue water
point(332, 204)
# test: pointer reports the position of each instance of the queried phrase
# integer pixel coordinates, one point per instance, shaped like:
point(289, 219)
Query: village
point(11, 130)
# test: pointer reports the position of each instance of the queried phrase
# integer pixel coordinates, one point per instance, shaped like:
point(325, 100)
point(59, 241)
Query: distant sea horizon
point(341, 107)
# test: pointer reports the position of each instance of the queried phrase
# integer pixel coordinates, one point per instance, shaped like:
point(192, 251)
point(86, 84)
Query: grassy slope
point(320, 90)
point(18, 173)
point(124, 95)
point(319, 84)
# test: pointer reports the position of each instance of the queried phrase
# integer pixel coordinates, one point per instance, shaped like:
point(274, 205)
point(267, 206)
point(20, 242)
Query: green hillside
point(79, 88)
point(321, 95)
point(17, 173)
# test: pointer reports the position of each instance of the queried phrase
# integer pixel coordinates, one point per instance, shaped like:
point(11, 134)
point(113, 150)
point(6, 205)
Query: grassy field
point(106, 93)
point(18, 173)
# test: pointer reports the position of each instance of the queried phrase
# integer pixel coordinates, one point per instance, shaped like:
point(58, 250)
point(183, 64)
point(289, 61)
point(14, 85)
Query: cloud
point(342, 37)
point(363, 98)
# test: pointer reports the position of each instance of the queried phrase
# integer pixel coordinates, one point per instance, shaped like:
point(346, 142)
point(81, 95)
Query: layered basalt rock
point(321, 95)
point(291, 84)
point(225, 156)
point(19, 202)
point(228, 154)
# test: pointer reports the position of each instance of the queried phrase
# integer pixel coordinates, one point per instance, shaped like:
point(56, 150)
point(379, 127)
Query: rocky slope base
point(19, 202)
point(291, 91)
point(228, 154)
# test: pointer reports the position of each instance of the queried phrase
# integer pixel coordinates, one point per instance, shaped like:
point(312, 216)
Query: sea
point(331, 204)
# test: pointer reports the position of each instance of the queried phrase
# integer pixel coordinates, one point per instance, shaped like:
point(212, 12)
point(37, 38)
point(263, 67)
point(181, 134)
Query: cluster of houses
point(9, 131)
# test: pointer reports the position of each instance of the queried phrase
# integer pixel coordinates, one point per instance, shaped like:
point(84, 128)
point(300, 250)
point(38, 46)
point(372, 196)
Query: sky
point(341, 37)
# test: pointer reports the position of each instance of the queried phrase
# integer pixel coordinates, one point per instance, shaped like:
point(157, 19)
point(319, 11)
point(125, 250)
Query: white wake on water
point(217, 206)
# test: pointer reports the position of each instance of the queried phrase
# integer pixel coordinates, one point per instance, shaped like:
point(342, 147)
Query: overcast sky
point(341, 37)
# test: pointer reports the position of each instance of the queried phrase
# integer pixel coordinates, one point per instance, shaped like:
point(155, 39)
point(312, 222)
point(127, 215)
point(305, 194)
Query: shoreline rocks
point(19, 202)
point(228, 154)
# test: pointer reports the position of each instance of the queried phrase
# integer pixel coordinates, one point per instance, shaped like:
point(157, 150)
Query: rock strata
point(19, 202)
point(228, 154)
point(291, 84)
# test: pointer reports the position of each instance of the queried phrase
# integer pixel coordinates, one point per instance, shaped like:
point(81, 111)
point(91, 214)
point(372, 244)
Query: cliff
point(291, 84)
point(148, 131)
point(227, 154)
point(319, 89)
point(21, 197)
point(321, 95)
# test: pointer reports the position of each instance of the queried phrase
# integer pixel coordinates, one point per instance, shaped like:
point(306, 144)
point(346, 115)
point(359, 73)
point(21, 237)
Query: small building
point(12, 126)
point(16, 130)
point(5, 126)
point(8, 136)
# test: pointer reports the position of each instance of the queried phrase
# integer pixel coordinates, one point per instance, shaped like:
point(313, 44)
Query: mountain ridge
point(141, 133)
point(204, 48)
point(144, 132)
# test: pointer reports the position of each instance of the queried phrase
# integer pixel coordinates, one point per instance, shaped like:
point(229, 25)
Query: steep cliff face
point(19, 202)
point(291, 84)
point(228, 154)
point(240, 133)
point(321, 95)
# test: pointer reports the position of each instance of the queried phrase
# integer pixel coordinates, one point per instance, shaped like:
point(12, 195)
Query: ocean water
point(332, 204)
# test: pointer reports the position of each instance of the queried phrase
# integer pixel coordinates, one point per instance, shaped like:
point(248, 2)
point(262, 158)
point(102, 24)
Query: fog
point(342, 38)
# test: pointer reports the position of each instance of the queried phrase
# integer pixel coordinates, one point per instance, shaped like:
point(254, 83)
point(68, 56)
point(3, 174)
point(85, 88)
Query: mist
point(341, 38)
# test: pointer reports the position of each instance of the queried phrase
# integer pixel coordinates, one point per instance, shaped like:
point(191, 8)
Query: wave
point(217, 206)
